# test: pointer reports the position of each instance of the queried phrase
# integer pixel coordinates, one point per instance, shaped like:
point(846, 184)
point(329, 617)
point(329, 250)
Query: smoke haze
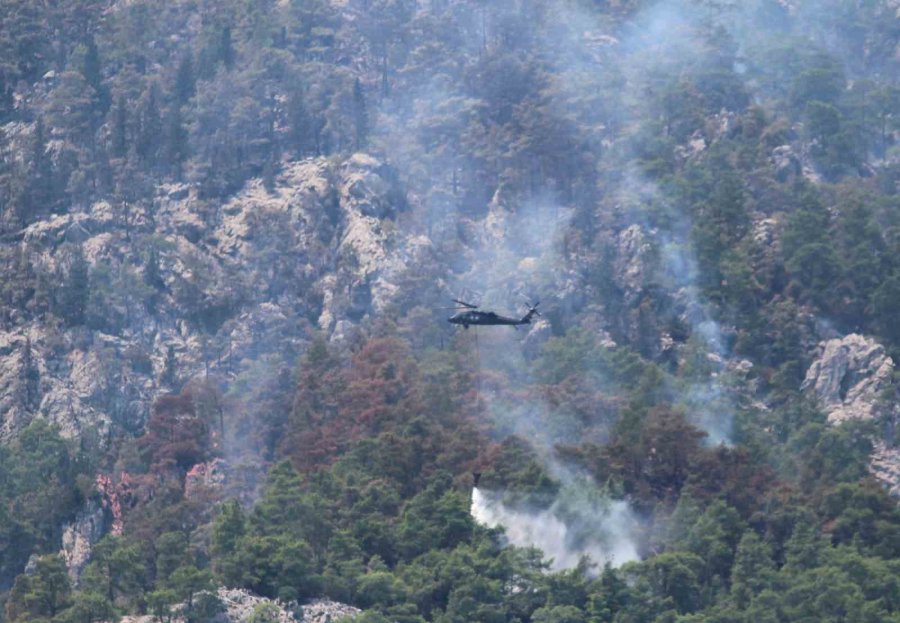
point(597, 528)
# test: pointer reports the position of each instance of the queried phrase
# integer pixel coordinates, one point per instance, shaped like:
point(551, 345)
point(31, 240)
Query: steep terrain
point(852, 378)
point(231, 285)
point(230, 232)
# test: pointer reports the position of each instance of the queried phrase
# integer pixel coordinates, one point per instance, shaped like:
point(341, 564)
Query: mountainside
point(253, 280)
point(231, 235)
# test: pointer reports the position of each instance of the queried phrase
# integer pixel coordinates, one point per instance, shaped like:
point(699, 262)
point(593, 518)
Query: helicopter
point(473, 316)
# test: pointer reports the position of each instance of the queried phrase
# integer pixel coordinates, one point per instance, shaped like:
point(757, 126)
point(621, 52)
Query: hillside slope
point(229, 234)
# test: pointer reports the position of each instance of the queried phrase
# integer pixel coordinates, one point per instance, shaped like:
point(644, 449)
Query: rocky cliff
point(849, 376)
point(182, 288)
point(852, 378)
point(79, 536)
point(232, 283)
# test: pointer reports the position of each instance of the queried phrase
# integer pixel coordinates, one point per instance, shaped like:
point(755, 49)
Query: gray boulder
point(848, 377)
point(851, 378)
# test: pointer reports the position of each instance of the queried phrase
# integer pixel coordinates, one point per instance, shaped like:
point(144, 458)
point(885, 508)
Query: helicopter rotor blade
point(464, 304)
point(533, 308)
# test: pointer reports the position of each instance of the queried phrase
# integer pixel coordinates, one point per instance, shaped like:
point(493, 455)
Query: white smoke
point(709, 406)
point(598, 528)
point(707, 402)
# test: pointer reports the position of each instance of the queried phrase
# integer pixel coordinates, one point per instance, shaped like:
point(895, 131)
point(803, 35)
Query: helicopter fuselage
point(474, 317)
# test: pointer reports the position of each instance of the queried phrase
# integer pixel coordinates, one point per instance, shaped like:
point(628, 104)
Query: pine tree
point(92, 71)
point(360, 116)
point(268, 173)
point(806, 546)
point(160, 603)
point(753, 570)
point(12, 190)
point(300, 124)
point(149, 136)
point(6, 98)
point(25, 38)
point(74, 109)
point(176, 141)
point(116, 569)
point(88, 605)
point(152, 275)
point(185, 81)
point(228, 530)
point(169, 375)
point(43, 593)
point(75, 291)
point(91, 64)
point(40, 185)
point(885, 302)
point(31, 377)
point(119, 139)
point(226, 48)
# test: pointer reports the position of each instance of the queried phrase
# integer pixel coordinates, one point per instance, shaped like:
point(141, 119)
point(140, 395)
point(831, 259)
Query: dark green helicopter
point(473, 316)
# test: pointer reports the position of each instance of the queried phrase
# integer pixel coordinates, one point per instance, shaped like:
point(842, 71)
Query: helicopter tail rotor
point(532, 311)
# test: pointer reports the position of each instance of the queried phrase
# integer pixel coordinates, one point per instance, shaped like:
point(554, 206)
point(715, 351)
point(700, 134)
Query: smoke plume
point(575, 526)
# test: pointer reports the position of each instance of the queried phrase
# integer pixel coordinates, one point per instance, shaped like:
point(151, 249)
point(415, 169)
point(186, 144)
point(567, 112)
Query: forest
point(229, 230)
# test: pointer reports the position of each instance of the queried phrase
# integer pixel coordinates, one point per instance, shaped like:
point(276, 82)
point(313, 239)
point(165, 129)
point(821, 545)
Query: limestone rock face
point(848, 376)
point(14, 402)
point(885, 465)
point(631, 268)
point(765, 232)
point(30, 385)
point(695, 146)
point(785, 162)
point(852, 379)
point(240, 604)
point(79, 537)
point(287, 219)
point(369, 201)
point(232, 284)
point(324, 611)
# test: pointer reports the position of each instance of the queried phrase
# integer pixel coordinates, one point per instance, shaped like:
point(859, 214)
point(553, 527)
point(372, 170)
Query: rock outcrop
point(324, 611)
point(852, 379)
point(848, 377)
point(786, 163)
point(240, 605)
point(79, 537)
point(631, 265)
point(64, 386)
point(229, 284)
point(885, 465)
